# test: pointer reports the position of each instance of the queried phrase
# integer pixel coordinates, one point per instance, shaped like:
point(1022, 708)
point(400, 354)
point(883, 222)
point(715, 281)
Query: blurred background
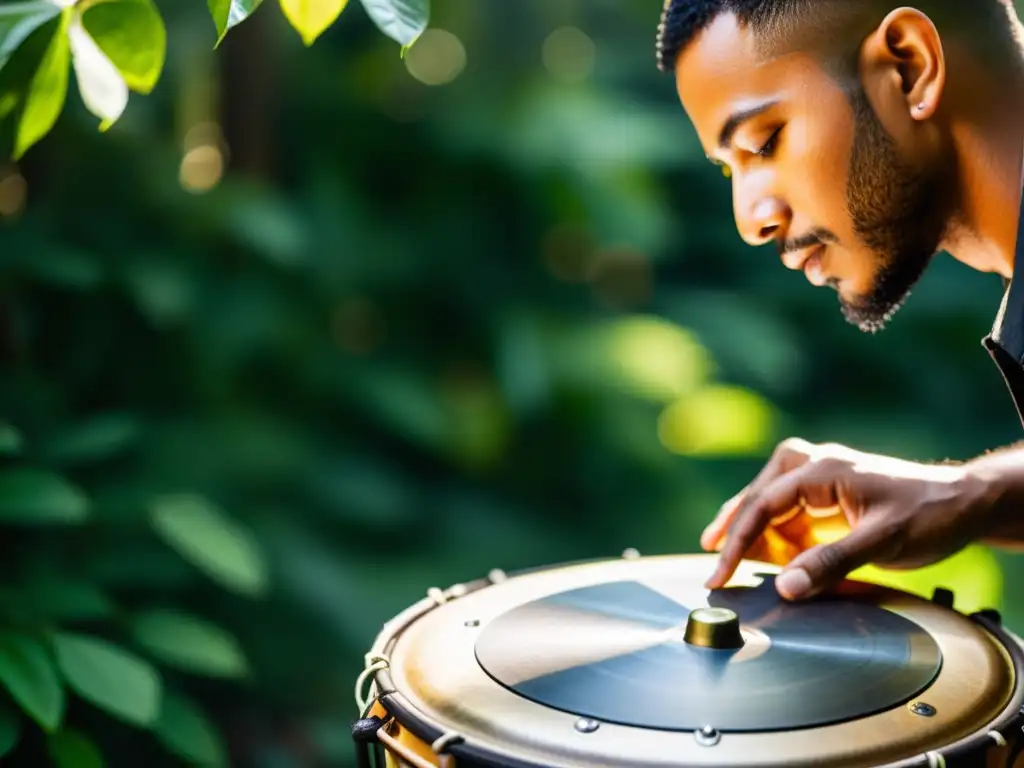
point(370, 324)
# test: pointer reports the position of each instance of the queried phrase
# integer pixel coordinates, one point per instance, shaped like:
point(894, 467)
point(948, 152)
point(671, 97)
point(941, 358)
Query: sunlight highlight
point(973, 574)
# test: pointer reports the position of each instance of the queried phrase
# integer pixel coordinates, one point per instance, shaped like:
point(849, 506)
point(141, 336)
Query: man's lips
point(813, 269)
point(808, 261)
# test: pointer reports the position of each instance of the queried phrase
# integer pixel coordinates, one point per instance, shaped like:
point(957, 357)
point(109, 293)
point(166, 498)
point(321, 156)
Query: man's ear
point(903, 65)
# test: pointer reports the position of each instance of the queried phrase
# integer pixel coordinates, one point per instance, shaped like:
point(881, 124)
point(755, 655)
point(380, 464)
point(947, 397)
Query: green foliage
point(401, 20)
point(131, 33)
point(186, 731)
point(109, 677)
point(311, 18)
point(38, 496)
point(10, 728)
point(215, 544)
point(28, 674)
point(44, 94)
point(10, 440)
point(242, 425)
point(190, 643)
point(19, 20)
point(70, 749)
point(117, 46)
point(227, 14)
point(45, 659)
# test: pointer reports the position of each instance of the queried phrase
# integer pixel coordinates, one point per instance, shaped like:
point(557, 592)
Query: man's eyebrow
point(737, 119)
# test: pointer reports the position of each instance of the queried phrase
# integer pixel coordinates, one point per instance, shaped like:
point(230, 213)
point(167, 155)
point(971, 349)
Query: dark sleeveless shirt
point(1005, 343)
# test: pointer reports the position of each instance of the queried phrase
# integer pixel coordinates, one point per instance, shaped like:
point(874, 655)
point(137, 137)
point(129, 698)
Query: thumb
point(823, 566)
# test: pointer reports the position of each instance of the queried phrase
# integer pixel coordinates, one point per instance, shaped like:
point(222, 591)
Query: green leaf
point(59, 600)
point(65, 267)
point(187, 732)
point(10, 439)
point(214, 543)
point(102, 88)
point(28, 674)
point(132, 35)
point(311, 18)
point(100, 437)
point(71, 749)
point(19, 20)
point(190, 643)
point(401, 20)
point(10, 728)
point(47, 90)
point(111, 678)
point(16, 72)
point(228, 14)
point(38, 496)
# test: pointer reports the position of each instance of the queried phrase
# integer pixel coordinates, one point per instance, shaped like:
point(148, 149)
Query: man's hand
point(823, 511)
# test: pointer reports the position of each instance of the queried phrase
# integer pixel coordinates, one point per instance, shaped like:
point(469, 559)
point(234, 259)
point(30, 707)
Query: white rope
point(373, 662)
point(445, 740)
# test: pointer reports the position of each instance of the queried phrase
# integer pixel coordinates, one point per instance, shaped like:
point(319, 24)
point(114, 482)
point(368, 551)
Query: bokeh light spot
point(357, 326)
point(567, 251)
point(655, 358)
point(437, 58)
point(202, 168)
point(718, 420)
point(13, 192)
point(569, 54)
point(621, 278)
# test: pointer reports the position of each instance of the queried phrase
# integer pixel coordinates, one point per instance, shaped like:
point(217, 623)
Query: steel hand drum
point(630, 662)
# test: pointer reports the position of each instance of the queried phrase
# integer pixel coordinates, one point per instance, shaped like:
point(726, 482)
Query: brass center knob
point(713, 628)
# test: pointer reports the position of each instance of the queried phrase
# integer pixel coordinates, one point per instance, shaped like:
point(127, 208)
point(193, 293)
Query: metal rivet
point(707, 736)
point(586, 725)
point(922, 709)
point(473, 623)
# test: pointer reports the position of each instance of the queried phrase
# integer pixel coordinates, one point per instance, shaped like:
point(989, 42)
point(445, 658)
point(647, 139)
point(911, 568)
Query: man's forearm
point(1000, 480)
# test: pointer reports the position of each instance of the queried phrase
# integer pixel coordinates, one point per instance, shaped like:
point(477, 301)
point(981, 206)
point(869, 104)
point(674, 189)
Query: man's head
point(830, 118)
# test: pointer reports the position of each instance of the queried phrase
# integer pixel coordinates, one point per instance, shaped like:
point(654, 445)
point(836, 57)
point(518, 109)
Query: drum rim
point(424, 727)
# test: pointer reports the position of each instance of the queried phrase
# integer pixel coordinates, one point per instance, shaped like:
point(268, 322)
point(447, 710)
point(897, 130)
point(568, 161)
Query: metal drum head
point(616, 652)
point(632, 663)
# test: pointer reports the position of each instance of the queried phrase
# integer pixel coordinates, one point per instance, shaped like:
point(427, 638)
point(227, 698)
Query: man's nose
point(761, 219)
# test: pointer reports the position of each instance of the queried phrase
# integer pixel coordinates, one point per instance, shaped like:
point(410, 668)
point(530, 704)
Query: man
point(862, 137)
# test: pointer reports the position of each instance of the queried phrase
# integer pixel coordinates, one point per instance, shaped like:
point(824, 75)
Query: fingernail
point(794, 583)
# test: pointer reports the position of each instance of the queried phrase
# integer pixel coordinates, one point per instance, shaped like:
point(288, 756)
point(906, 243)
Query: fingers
point(822, 567)
point(716, 529)
point(772, 547)
point(777, 498)
point(788, 455)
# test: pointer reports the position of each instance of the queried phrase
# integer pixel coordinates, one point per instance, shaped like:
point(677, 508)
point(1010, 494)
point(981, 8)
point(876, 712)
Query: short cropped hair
point(990, 25)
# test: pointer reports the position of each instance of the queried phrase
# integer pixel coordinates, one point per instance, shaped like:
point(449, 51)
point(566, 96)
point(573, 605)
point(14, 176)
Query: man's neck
point(989, 145)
